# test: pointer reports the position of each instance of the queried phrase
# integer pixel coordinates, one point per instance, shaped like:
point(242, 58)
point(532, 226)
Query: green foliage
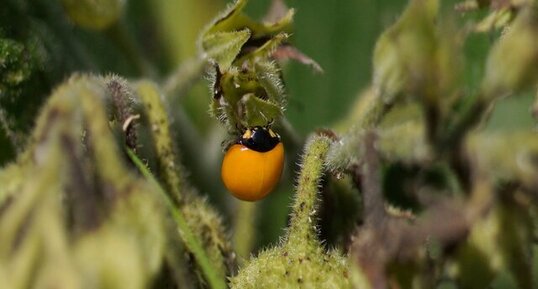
point(511, 65)
point(55, 240)
point(224, 47)
point(247, 83)
point(15, 69)
point(403, 54)
point(413, 188)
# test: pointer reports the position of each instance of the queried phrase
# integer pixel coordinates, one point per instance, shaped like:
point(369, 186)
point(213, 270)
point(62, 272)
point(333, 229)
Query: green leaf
point(223, 47)
point(228, 19)
point(404, 53)
point(234, 19)
point(513, 61)
point(259, 112)
point(268, 75)
point(266, 50)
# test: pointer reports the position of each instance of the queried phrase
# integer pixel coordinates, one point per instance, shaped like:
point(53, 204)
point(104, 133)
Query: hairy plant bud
point(512, 64)
point(404, 53)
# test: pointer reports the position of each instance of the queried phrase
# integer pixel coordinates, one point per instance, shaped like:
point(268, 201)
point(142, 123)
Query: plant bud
point(404, 53)
point(512, 64)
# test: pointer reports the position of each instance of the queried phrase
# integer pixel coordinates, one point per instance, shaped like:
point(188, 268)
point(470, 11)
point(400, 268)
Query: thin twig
point(374, 208)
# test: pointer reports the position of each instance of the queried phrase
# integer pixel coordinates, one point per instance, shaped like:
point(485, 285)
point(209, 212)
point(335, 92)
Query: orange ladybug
point(252, 166)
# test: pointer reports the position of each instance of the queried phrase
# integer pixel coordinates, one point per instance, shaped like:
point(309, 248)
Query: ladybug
point(252, 166)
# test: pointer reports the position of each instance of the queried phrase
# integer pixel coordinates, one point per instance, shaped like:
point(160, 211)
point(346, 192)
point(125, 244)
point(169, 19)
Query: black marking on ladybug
point(260, 139)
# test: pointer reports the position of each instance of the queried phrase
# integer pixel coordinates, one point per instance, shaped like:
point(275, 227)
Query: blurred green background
point(338, 34)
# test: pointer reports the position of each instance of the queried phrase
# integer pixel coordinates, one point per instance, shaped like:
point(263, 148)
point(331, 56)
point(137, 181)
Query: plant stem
point(171, 171)
point(302, 224)
point(470, 117)
point(369, 113)
point(374, 204)
point(184, 76)
point(244, 235)
point(191, 241)
point(452, 144)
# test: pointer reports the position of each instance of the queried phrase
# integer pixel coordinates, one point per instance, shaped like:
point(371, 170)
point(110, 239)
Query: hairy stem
point(173, 175)
point(367, 115)
point(184, 76)
point(302, 224)
point(107, 157)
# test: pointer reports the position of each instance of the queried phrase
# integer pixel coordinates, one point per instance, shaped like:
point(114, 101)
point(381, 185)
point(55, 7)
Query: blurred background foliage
point(154, 38)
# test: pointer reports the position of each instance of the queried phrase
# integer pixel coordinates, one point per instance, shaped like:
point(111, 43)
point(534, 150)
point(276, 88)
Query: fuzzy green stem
point(375, 114)
point(302, 224)
point(191, 241)
point(173, 175)
point(367, 111)
point(184, 76)
point(345, 153)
